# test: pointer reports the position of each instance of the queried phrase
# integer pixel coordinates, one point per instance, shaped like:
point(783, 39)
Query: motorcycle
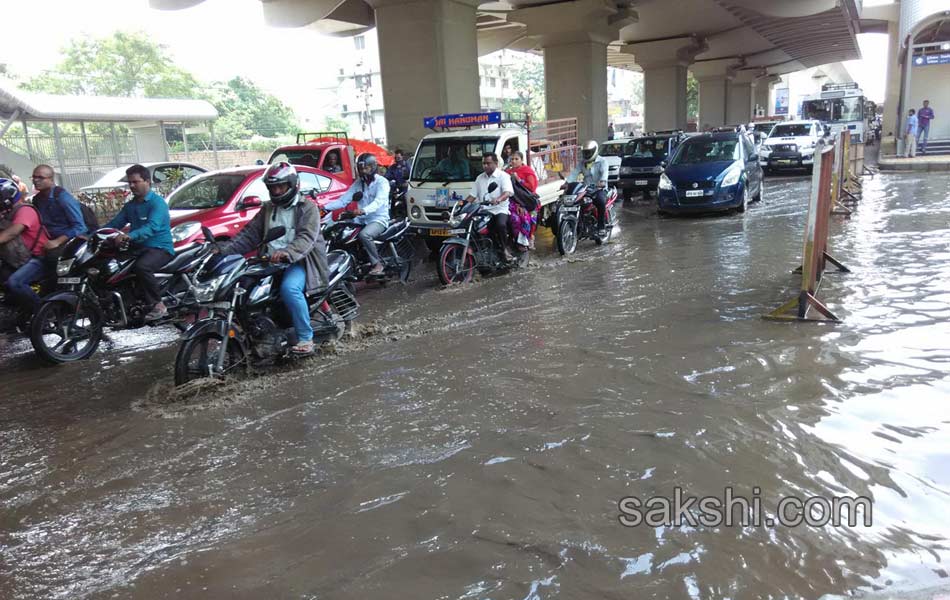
point(397, 203)
point(577, 216)
point(394, 247)
point(97, 288)
point(472, 246)
point(249, 325)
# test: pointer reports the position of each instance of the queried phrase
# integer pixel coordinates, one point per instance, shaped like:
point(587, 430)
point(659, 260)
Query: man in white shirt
point(373, 203)
point(497, 197)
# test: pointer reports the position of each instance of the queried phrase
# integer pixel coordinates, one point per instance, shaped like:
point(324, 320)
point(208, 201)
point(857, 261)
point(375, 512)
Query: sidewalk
point(936, 162)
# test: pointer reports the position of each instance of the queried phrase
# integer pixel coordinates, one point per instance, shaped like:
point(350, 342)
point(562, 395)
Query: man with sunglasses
point(62, 219)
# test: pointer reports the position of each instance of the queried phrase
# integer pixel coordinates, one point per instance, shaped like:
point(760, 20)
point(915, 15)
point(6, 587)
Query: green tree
point(124, 64)
point(247, 110)
point(692, 98)
point(336, 124)
point(528, 79)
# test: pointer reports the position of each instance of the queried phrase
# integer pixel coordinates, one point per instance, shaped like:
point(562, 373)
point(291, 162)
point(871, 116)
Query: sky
point(220, 39)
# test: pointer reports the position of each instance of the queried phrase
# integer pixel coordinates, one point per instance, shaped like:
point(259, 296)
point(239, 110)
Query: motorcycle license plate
point(440, 232)
point(571, 209)
point(640, 182)
point(456, 231)
point(693, 193)
point(68, 281)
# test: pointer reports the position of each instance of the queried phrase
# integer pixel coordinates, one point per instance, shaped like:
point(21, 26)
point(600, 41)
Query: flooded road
point(474, 442)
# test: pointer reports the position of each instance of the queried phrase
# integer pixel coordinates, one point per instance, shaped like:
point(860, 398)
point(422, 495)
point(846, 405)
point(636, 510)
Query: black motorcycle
point(97, 288)
point(576, 216)
point(472, 246)
point(393, 245)
point(249, 325)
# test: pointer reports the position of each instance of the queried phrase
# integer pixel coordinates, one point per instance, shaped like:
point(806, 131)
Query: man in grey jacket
point(302, 245)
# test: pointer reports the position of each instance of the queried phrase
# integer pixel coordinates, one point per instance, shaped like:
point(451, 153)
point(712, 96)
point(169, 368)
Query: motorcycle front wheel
point(61, 333)
point(197, 358)
point(454, 267)
point(567, 237)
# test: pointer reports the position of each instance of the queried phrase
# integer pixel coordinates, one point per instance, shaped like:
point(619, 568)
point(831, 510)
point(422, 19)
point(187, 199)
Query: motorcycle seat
point(180, 261)
point(396, 227)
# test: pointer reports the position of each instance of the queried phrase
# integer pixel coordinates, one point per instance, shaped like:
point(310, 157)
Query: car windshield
point(706, 150)
point(799, 130)
point(648, 148)
point(450, 159)
point(616, 149)
point(206, 192)
point(763, 128)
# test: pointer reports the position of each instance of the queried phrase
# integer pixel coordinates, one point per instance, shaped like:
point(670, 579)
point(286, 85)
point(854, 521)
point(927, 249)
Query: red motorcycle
point(577, 216)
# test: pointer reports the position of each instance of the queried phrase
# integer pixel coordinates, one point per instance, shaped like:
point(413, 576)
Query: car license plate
point(440, 232)
point(68, 281)
point(785, 161)
point(693, 193)
point(640, 182)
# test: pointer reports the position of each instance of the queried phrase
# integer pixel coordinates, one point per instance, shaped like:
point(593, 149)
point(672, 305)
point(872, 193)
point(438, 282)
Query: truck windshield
point(798, 130)
point(305, 158)
point(834, 111)
point(206, 192)
point(450, 159)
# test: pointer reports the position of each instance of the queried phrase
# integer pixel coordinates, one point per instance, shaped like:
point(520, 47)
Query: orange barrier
point(826, 183)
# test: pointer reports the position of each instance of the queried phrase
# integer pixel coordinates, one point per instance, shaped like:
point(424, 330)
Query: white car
point(791, 145)
point(613, 152)
point(161, 171)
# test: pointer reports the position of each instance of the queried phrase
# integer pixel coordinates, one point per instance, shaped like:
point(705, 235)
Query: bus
point(840, 106)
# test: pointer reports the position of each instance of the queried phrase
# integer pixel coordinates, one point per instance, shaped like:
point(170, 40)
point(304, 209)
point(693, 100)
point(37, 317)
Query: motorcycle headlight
point(569, 199)
point(204, 292)
point(183, 231)
point(665, 183)
point(731, 178)
point(415, 212)
point(64, 266)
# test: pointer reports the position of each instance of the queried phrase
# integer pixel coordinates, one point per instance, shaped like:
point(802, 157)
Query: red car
point(225, 201)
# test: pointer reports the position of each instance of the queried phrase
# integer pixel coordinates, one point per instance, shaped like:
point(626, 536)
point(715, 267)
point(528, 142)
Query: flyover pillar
point(892, 93)
point(763, 92)
point(713, 77)
point(664, 65)
point(741, 99)
point(428, 59)
point(574, 36)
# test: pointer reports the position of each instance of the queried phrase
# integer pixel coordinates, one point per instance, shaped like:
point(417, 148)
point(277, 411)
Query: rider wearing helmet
point(302, 246)
point(372, 206)
point(593, 169)
point(21, 233)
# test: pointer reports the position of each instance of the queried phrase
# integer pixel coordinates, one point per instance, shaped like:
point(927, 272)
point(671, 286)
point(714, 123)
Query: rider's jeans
point(19, 283)
point(367, 236)
point(600, 201)
point(292, 293)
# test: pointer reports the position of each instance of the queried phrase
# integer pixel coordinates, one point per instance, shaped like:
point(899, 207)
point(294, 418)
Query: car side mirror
point(250, 202)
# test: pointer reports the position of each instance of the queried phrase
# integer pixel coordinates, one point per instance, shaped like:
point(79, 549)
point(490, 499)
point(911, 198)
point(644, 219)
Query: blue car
point(711, 172)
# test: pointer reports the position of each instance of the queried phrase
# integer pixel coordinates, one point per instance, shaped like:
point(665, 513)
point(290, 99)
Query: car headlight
point(732, 177)
point(64, 266)
point(626, 170)
point(665, 183)
point(204, 292)
point(183, 231)
point(415, 212)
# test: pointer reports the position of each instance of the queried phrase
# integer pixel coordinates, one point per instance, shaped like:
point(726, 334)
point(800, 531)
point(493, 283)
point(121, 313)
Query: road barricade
point(826, 182)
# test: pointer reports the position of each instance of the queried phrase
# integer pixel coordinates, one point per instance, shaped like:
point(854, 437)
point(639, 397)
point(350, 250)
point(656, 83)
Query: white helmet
point(589, 152)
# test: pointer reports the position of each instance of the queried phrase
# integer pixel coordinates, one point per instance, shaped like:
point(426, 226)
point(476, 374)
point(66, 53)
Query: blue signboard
point(462, 120)
point(925, 60)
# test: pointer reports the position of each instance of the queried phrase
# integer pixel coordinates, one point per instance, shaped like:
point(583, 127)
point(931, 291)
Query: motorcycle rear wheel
point(197, 359)
point(58, 331)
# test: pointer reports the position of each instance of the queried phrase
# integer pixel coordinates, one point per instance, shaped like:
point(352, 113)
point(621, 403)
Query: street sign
point(926, 60)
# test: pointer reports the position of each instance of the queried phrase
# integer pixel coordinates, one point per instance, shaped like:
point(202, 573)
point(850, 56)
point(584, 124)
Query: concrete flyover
point(735, 47)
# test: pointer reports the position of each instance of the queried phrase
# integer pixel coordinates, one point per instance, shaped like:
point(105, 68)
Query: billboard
point(781, 101)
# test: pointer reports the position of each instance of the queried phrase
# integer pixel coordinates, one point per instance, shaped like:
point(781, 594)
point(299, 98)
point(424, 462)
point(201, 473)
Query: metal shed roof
point(36, 106)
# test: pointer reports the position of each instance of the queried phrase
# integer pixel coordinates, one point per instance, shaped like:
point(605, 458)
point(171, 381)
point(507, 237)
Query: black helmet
point(9, 195)
point(367, 160)
point(282, 173)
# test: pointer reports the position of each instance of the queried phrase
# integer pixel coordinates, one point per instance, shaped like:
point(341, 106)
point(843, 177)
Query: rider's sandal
point(302, 348)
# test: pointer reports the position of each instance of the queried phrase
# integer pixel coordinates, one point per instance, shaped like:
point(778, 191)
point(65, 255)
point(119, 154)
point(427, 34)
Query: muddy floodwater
point(474, 443)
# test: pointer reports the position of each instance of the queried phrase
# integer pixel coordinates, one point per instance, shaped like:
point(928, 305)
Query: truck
point(448, 160)
point(313, 149)
point(840, 106)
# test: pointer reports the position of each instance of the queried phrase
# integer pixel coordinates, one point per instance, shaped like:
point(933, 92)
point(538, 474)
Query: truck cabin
point(459, 158)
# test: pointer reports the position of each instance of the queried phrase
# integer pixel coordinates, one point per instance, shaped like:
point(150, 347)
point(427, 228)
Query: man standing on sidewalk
point(924, 116)
point(910, 135)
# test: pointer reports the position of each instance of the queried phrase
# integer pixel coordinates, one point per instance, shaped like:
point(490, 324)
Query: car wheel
point(745, 199)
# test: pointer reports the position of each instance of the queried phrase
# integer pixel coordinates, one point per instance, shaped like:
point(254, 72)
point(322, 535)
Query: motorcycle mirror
point(273, 234)
point(357, 196)
point(492, 187)
point(209, 237)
